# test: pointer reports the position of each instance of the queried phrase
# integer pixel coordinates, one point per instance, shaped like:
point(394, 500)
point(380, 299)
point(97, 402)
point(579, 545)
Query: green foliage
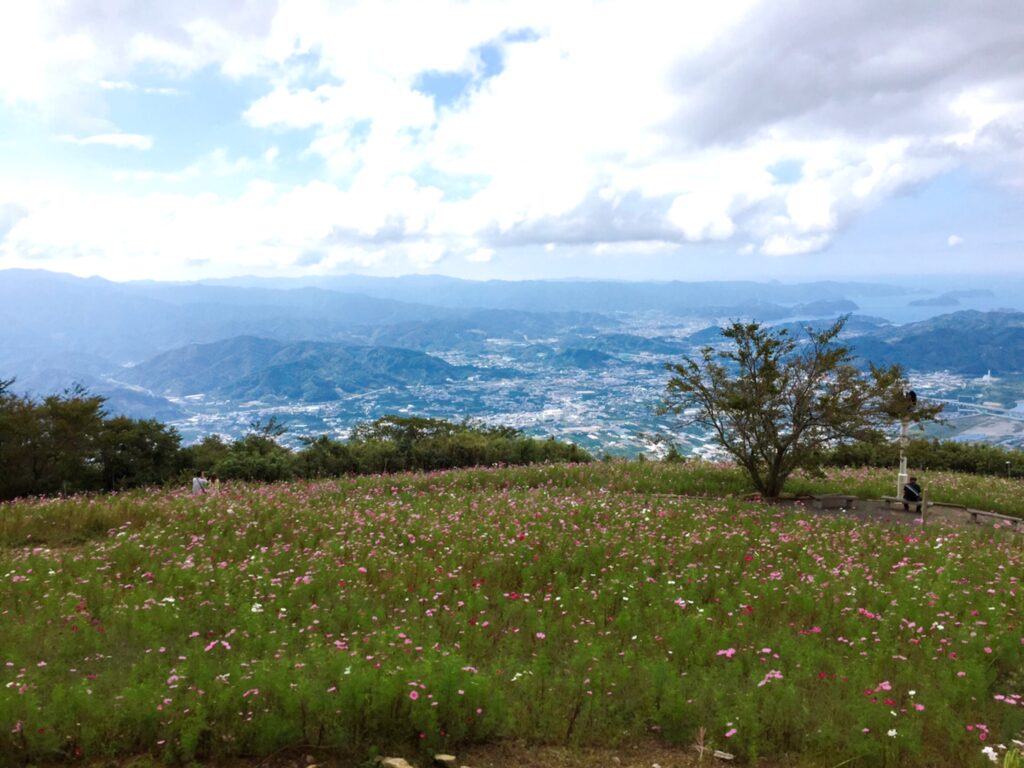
point(401, 443)
point(51, 446)
point(975, 458)
point(66, 444)
point(586, 605)
point(136, 453)
point(256, 457)
point(323, 457)
point(775, 404)
point(206, 454)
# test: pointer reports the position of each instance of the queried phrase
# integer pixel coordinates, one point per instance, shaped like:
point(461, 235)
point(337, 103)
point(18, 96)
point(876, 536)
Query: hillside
point(969, 342)
point(575, 357)
point(53, 314)
point(471, 329)
point(251, 368)
point(542, 605)
point(60, 329)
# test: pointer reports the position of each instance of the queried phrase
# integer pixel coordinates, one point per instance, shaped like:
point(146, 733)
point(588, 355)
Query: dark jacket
point(911, 492)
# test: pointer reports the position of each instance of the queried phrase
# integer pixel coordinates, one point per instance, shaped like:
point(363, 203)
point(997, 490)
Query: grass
point(558, 605)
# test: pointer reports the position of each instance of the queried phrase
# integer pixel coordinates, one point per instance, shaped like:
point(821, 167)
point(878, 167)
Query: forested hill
point(967, 342)
point(251, 368)
point(54, 314)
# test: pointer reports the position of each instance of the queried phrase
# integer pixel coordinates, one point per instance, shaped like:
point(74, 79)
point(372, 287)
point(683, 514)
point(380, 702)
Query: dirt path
point(879, 511)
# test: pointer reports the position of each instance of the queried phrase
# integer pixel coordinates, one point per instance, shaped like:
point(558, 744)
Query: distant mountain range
point(963, 342)
point(45, 313)
point(685, 298)
point(143, 344)
point(968, 342)
point(952, 298)
point(58, 328)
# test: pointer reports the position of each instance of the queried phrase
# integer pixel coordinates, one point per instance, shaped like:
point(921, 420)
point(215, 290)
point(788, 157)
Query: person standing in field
point(199, 483)
point(912, 495)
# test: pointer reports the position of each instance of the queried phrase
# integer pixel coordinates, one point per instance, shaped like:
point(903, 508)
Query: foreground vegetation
point(556, 604)
point(972, 458)
point(67, 444)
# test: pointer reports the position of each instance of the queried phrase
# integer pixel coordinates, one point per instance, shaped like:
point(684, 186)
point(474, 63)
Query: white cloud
point(425, 253)
point(789, 245)
point(702, 217)
point(265, 229)
point(216, 164)
point(121, 140)
point(954, 240)
point(619, 127)
point(633, 247)
point(481, 255)
point(124, 85)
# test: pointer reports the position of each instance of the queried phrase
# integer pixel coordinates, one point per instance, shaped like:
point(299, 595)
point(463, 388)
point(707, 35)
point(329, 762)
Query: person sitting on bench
point(912, 495)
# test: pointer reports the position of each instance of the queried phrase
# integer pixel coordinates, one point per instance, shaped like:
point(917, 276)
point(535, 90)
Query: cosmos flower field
point(598, 605)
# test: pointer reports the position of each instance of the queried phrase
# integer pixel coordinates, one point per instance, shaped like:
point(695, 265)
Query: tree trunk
point(773, 485)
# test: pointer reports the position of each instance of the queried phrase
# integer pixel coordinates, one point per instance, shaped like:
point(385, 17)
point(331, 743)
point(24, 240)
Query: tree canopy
point(775, 402)
point(67, 443)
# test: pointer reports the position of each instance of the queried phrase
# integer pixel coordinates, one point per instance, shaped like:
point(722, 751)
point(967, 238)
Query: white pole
point(902, 478)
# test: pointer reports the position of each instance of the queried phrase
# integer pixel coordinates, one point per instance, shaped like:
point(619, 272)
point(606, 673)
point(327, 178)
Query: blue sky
point(639, 140)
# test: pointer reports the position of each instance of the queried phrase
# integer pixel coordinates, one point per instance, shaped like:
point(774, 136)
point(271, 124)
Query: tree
point(774, 403)
point(272, 428)
point(323, 457)
point(390, 443)
point(206, 454)
point(257, 456)
point(20, 438)
point(403, 430)
point(138, 452)
point(49, 446)
point(71, 426)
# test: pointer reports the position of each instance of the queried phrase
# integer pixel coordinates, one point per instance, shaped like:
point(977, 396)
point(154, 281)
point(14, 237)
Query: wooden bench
point(1015, 522)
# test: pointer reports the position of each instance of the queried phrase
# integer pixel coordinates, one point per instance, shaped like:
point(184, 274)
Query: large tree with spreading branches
point(775, 402)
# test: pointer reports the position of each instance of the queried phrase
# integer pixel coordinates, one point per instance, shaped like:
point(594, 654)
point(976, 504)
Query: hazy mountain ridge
point(593, 375)
point(252, 368)
point(585, 295)
point(128, 322)
point(967, 342)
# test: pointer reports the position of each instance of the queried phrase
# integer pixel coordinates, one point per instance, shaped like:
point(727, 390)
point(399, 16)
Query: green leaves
point(775, 403)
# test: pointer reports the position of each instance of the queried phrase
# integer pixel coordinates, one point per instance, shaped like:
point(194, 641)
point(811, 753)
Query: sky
point(611, 139)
